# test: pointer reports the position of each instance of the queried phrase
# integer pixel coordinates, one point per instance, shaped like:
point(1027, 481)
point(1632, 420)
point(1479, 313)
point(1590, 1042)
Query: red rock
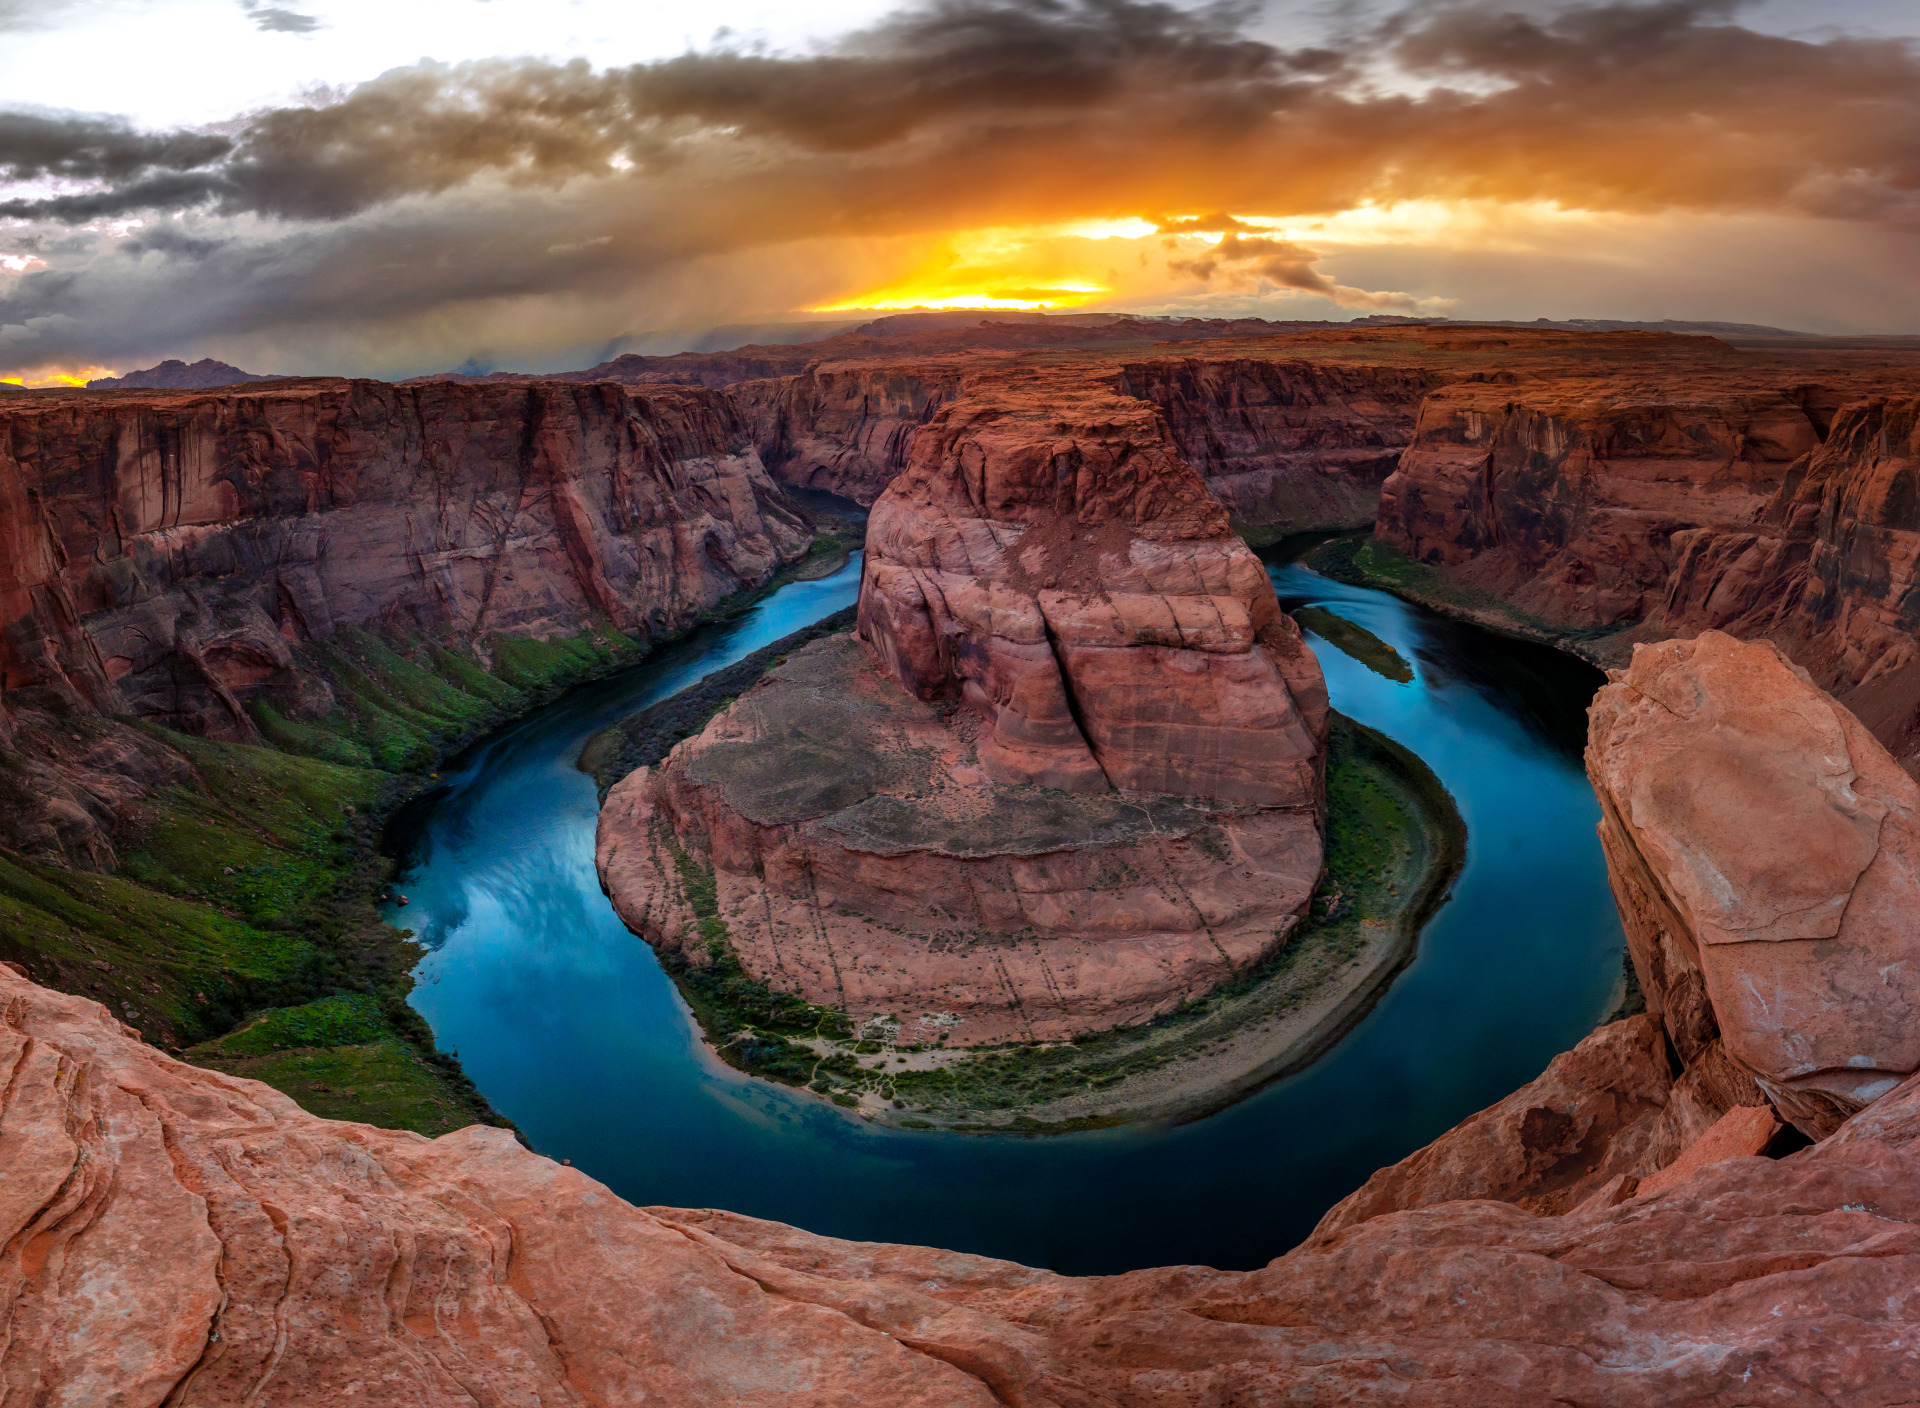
point(1598, 1113)
point(173, 1235)
point(1742, 1133)
point(158, 550)
point(1056, 607)
point(1297, 444)
point(1048, 557)
point(1764, 502)
point(845, 429)
point(1765, 851)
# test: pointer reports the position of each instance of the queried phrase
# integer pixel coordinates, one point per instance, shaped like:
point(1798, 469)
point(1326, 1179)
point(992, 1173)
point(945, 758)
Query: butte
point(1068, 773)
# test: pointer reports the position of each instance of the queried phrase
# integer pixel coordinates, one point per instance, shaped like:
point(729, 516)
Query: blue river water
point(568, 1024)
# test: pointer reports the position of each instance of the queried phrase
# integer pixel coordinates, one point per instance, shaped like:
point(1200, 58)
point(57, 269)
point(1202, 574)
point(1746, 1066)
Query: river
point(569, 1026)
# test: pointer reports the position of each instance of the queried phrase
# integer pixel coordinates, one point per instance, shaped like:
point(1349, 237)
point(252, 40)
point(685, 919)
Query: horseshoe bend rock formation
point(1074, 776)
point(1765, 852)
point(172, 1235)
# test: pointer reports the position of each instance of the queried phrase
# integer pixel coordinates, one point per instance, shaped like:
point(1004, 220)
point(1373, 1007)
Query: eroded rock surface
point(1074, 777)
point(1293, 444)
point(1765, 852)
point(1764, 504)
point(176, 1236)
point(164, 551)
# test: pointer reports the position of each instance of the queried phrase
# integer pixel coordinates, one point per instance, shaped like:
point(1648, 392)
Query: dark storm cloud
point(1624, 105)
point(36, 145)
point(437, 184)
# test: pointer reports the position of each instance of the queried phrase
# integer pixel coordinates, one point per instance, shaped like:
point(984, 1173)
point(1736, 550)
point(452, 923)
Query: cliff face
point(847, 430)
point(176, 1236)
point(1765, 852)
point(1295, 444)
point(1083, 785)
point(1567, 497)
point(161, 553)
point(169, 555)
point(1776, 509)
point(1292, 444)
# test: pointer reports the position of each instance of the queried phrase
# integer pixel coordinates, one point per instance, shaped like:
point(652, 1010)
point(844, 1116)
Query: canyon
point(1707, 1202)
point(174, 555)
point(1770, 503)
point(1069, 776)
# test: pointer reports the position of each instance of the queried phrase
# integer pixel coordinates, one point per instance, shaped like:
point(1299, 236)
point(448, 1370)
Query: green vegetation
point(339, 1057)
point(1363, 562)
point(174, 969)
point(1394, 842)
point(401, 705)
point(242, 926)
point(1357, 641)
point(754, 1028)
point(346, 1019)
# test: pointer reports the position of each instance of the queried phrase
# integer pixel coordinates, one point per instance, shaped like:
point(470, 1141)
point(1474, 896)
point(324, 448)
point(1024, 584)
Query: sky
point(386, 189)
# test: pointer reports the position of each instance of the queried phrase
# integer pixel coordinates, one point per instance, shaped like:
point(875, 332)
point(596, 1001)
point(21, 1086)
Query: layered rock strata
point(846, 429)
point(1295, 444)
point(1765, 852)
point(1764, 506)
point(163, 552)
point(1083, 784)
point(176, 1236)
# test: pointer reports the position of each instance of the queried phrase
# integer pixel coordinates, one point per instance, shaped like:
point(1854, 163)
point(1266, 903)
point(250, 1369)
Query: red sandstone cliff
point(176, 1236)
point(1294, 444)
point(845, 429)
point(160, 550)
point(1759, 504)
point(163, 554)
point(1294, 429)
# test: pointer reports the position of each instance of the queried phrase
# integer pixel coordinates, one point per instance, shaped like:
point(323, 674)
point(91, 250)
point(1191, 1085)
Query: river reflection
point(567, 1023)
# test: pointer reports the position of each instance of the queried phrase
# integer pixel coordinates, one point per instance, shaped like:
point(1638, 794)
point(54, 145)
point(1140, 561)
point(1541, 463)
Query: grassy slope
point(247, 897)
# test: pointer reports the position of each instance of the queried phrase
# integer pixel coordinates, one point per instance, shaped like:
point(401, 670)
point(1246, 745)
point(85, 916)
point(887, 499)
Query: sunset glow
point(321, 201)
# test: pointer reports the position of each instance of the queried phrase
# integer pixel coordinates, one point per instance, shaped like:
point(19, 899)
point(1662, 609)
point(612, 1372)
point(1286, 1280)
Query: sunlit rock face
point(162, 553)
point(174, 1236)
point(1069, 775)
point(1765, 851)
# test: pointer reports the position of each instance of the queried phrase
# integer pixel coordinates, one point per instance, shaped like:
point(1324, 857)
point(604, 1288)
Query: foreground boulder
point(1070, 775)
point(174, 1236)
point(1765, 852)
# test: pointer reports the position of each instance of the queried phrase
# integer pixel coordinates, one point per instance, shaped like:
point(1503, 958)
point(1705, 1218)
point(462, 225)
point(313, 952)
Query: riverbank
point(243, 923)
point(1395, 842)
point(1359, 560)
point(643, 739)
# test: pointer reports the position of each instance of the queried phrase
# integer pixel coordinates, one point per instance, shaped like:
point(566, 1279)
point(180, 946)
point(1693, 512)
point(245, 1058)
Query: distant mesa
point(176, 375)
